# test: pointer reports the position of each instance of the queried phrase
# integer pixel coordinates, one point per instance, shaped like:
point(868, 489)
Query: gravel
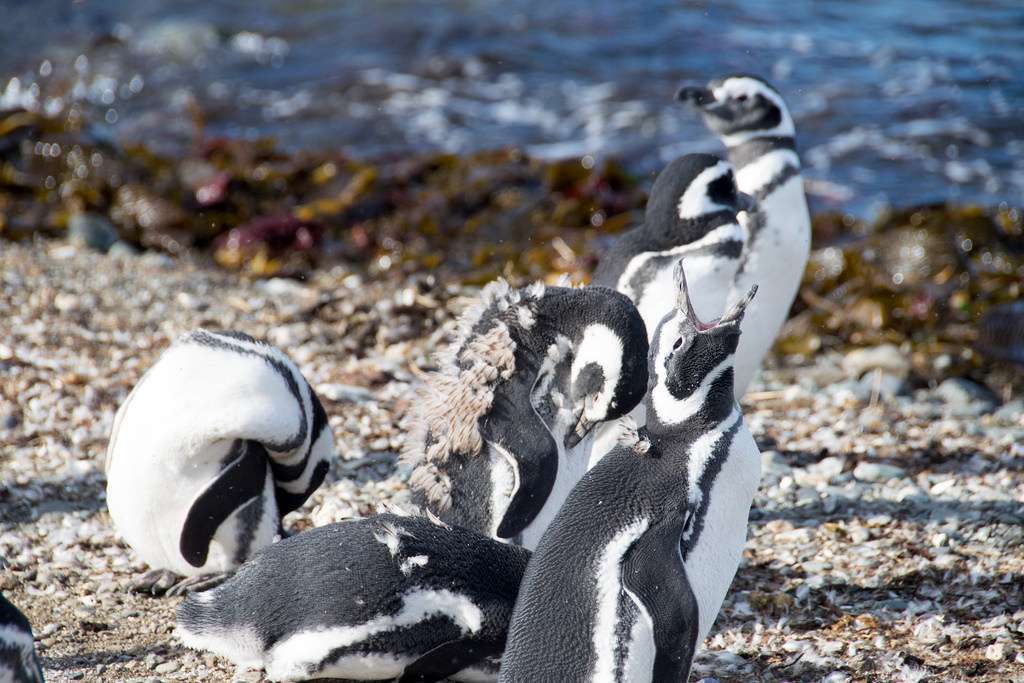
point(885, 544)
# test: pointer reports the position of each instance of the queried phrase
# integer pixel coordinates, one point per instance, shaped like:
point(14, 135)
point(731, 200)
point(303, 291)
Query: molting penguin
point(751, 119)
point(18, 662)
point(494, 440)
point(216, 443)
point(691, 214)
point(629, 577)
point(373, 599)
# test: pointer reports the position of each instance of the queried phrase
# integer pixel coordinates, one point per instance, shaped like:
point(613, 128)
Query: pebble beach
point(885, 543)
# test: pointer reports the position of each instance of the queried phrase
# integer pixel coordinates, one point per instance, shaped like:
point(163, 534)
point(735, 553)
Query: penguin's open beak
point(737, 310)
point(684, 303)
point(579, 431)
point(697, 95)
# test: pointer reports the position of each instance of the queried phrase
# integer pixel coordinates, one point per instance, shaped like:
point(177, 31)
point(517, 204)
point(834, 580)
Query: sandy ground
point(886, 543)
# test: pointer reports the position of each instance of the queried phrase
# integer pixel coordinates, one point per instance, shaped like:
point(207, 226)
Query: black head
point(691, 360)
point(693, 187)
point(606, 376)
point(740, 106)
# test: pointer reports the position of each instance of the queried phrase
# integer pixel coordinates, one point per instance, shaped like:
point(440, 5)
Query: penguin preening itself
point(495, 437)
point(216, 443)
point(18, 661)
point(691, 214)
point(383, 598)
point(629, 577)
point(752, 121)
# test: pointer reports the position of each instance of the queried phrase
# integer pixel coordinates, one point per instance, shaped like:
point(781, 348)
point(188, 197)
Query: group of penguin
point(580, 463)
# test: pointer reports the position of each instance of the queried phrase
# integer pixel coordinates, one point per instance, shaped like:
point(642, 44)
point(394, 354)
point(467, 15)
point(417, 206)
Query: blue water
point(896, 103)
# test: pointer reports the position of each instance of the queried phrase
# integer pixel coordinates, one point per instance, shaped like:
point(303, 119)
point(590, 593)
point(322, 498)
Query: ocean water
point(896, 103)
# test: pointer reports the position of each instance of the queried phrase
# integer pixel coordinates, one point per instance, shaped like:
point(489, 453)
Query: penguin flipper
point(238, 483)
point(664, 589)
point(535, 452)
point(446, 660)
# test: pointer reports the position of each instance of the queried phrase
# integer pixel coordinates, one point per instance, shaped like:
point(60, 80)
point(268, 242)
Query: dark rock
point(92, 230)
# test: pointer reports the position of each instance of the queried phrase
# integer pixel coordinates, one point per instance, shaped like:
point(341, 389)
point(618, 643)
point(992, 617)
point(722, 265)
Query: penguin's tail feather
point(205, 621)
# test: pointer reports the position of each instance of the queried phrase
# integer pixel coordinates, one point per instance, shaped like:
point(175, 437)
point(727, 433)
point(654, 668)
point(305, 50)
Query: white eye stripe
point(695, 200)
point(602, 347)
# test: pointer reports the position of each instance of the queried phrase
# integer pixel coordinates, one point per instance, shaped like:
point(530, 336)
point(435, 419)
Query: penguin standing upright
point(18, 662)
point(494, 440)
point(630, 575)
point(372, 599)
point(216, 443)
point(751, 119)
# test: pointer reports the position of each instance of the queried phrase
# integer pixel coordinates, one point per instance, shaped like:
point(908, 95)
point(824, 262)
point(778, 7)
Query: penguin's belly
point(150, 499)
point(640, 648)
point(776, 265)
point(572, 465)
point(712, 563)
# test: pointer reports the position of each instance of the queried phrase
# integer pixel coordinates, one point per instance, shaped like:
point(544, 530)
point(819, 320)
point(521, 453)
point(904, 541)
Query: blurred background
point(481, 138)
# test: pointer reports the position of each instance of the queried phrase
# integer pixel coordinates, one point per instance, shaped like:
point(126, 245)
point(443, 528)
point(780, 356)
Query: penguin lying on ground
point(752, 121)
point(218, 441)
point(494, 442)
point(389, 597)
point(629, 577)
point(18, 662)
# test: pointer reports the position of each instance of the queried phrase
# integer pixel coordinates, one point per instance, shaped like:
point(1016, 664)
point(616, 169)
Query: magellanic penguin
point(383, 598)
point(629, 577)
point(751, 119)
point(495, 431)
point(691, 214)
point(18, 661)
point(216, 443)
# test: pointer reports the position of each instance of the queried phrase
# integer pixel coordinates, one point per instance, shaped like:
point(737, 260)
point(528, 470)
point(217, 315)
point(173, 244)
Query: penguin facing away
point(691, 214)
point(495, 437)
point(18, 661)
point(216, 443)
point(752, 121)
point(383, 598)
point(629, 577)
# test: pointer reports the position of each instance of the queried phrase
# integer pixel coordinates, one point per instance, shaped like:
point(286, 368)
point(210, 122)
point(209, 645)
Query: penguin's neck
point(674, 423)
point(764, 163)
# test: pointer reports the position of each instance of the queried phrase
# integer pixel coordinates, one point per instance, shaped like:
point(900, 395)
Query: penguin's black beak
point(746, 202)
point(697, 95)
point(579, 431)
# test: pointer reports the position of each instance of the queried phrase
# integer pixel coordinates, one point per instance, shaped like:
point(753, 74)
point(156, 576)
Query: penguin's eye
point(679, 342)
point(742, 98)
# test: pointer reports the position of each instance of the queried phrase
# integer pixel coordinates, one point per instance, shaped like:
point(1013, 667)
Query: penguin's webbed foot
point(198, 584)
point(164, 582)
point(155, 582)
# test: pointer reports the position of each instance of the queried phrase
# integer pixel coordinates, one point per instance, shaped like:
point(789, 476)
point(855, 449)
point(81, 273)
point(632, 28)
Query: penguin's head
point(608, 375)
point(695, 187)
point(690, 353)
point(740, 106)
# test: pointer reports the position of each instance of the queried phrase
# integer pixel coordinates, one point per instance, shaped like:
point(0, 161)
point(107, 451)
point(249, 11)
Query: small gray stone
point(92, 230)
point(121, 249)
point(886, 357)
point(887, 385)
point(344, 392)
point(1012, 412)
point(960, 392)
point(167, 667)
point(876, 472)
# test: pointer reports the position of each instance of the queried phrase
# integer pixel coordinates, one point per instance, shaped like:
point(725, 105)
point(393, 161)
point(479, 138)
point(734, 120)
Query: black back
point(19, 660)
point(343, 574)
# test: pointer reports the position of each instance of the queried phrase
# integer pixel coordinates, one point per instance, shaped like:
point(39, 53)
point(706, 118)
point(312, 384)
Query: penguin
point(218, 441)
point(382, 598)
point(18, 661)
point(691, 213)
point(494, 439)
point(751, 119)
point(630, 575)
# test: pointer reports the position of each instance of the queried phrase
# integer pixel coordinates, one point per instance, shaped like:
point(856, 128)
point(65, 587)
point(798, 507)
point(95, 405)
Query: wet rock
point(93, 231)
point(877, 472)
point(886, 357)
